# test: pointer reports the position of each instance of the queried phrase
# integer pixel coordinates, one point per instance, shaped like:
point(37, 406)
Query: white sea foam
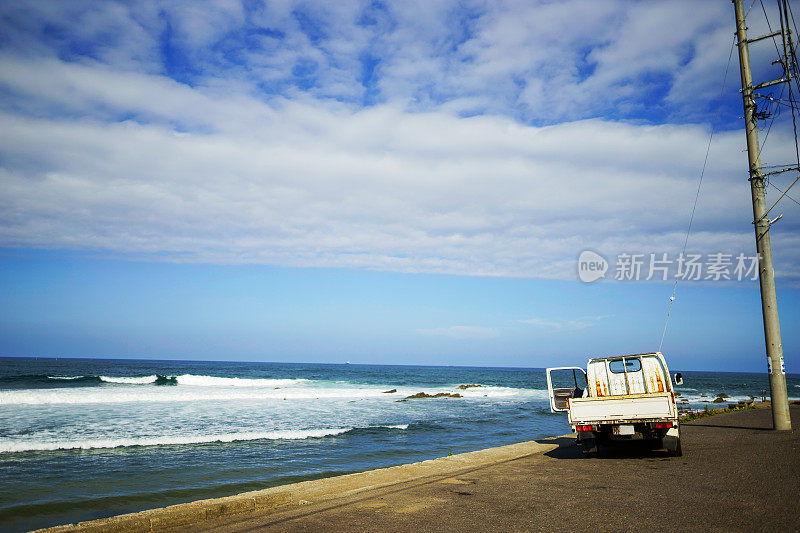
point(709, 399)
point(203, 381)
point(12, 446)
point(194, 388)
point(213, 381)
point(491, 391)
point(130, 380)
point(97, 395)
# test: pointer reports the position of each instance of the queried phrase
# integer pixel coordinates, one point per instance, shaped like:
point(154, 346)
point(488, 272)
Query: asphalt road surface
point(736, 474)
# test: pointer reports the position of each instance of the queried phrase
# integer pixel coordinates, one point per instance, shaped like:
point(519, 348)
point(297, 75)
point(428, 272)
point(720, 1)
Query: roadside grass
point(709, 411)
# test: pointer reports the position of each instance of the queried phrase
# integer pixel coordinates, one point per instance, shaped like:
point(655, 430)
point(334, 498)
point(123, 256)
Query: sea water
point(87, 438)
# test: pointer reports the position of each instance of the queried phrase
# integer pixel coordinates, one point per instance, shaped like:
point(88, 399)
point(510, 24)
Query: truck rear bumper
point(630, 432)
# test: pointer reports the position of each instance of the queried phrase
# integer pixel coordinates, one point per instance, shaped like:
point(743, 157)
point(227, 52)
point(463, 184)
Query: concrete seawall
point(316, 491)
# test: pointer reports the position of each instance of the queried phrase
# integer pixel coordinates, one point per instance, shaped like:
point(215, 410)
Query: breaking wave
point(201, 381)
point(193, 388)
point(214, 381)
point(47, 381)
point(168, 440)
point(130, 380)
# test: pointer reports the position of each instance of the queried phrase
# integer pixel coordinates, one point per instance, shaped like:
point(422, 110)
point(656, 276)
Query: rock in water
point(437, 395)
point(166, 380)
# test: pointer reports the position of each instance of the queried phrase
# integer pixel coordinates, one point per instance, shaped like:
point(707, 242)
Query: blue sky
point(405, 182)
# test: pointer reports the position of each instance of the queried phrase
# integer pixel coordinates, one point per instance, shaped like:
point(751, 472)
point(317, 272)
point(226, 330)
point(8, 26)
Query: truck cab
point(618, 398)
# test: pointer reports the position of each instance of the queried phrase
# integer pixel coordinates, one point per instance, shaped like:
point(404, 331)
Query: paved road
point(735, 475)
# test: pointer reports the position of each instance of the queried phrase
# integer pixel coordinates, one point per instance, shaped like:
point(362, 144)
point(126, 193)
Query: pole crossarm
point(770, 83)
point(781, 171)
point(767, 36)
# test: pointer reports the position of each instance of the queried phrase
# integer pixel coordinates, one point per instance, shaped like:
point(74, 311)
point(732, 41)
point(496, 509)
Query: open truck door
point(563, 383)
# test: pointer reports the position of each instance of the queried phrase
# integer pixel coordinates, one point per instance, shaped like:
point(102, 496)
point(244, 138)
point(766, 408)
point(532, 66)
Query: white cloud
point(545, 61)
point(303, 184)
point(125, 160)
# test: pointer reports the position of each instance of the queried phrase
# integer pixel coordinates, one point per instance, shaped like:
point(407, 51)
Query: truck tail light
point(581, 427)
point(663, 425)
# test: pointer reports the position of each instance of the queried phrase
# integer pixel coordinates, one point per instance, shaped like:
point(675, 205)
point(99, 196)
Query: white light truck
point(620, 398)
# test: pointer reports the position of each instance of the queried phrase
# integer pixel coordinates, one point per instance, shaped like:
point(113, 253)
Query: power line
point(699, 185)
point(769, 26)
point(771, 122)
point(787, 15)
point(793, 50)
point(789, 62)
point(793, 59)
point(784, 193)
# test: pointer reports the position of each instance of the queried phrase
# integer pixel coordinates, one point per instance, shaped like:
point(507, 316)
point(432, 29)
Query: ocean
point(89, 438)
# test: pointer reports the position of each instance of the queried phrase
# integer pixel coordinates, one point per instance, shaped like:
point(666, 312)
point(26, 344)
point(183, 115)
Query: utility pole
point(766, 274)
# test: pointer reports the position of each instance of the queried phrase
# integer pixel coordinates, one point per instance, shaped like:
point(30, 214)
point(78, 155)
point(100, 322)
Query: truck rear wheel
point(589, 447)
point(672, 445)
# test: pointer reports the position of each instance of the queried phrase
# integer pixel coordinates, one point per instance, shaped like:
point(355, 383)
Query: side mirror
point(678, 378)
